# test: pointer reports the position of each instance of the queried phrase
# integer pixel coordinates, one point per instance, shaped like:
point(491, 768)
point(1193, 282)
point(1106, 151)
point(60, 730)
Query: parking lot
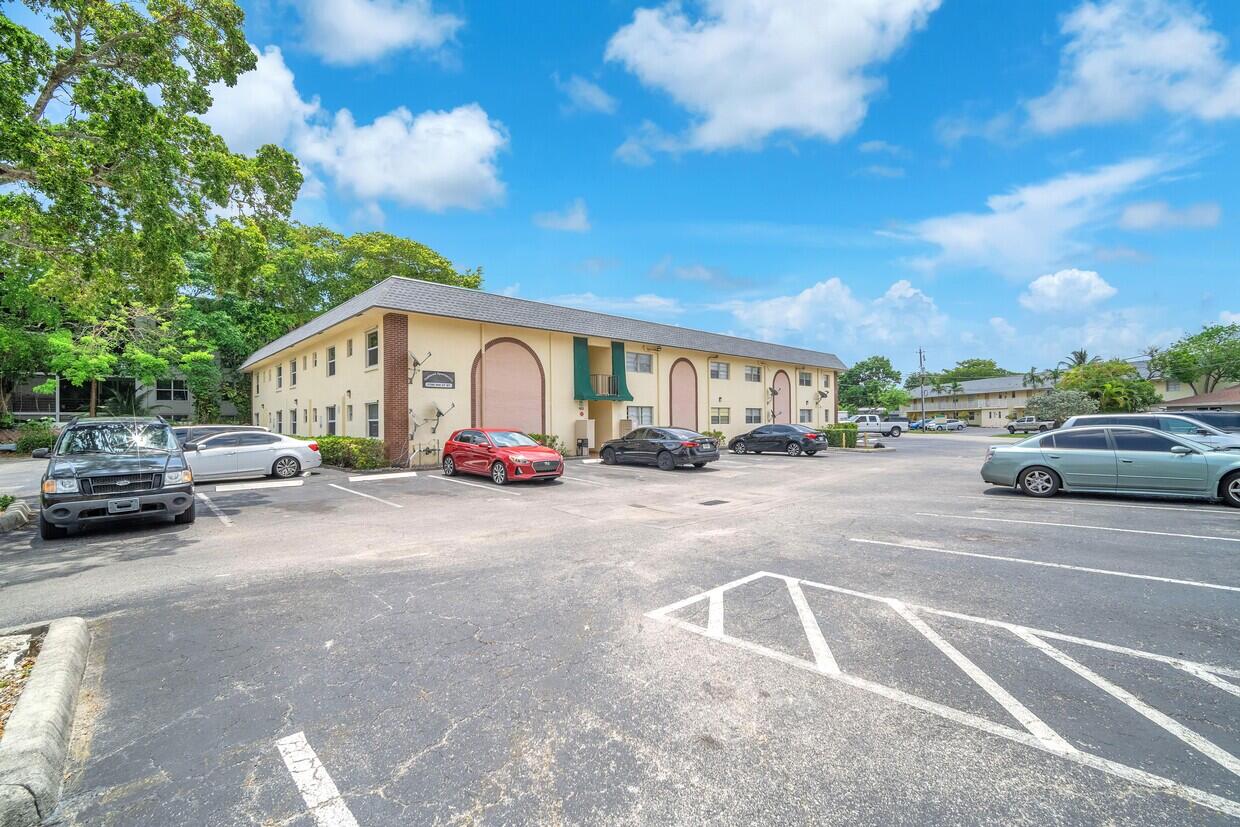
point(847, 638)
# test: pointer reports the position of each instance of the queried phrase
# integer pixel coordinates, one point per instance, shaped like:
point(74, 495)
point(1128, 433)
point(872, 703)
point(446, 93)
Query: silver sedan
point(251, 454)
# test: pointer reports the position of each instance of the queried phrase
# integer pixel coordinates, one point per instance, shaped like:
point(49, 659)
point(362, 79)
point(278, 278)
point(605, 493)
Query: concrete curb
point(36, 737)
point(15, 516)
point(864, 450)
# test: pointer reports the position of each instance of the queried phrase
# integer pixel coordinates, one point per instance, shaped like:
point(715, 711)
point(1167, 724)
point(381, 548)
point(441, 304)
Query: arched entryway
point(508, 387)
point(781, 405)
point(682, 395)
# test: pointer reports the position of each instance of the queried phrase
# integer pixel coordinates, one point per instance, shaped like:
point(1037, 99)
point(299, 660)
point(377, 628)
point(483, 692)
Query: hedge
point(361, 453)
point(843, 435)
point(37, 433)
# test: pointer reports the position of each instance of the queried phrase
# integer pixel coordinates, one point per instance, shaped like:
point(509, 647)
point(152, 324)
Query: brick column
point(396, 386)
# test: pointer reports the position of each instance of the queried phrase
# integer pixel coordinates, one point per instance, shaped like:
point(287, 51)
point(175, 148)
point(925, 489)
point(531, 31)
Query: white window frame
point(369, 364)
point(720, 370)
point(279, 422)
point(375, 420)
point(805, 379)
point(806, 420)
point(635, 362)
point(348, 347)
point(753, 373)
point(720, 416)
point(644, 417)
point(279, 376)
point(171, 389)
point(331, 360)
point(329, 414)
point(292, 373)
point(292, 421)
point(753, 416)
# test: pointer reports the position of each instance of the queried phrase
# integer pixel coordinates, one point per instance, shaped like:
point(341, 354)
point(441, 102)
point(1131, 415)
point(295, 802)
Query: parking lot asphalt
point(847, 638)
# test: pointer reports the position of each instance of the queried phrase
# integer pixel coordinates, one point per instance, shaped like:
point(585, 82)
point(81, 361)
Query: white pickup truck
point(1029, 423)
point(875, 424)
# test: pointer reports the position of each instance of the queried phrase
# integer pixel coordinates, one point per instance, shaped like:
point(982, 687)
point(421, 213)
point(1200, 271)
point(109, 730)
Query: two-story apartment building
point(986, 403)
point(410, 361)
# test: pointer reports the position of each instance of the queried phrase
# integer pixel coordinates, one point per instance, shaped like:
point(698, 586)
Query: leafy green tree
point(1204, 359)
point(1115, 385)
point(862, 385)
point(1059, 405)
point(963, 371)
point(1033, 378)
point(894, 398)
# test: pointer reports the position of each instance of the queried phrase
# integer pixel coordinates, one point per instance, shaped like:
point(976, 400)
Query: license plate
point(708, 446)
point(124, 506)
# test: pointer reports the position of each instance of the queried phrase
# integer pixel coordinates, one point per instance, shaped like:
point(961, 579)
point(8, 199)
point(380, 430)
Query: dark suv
point(105, 469)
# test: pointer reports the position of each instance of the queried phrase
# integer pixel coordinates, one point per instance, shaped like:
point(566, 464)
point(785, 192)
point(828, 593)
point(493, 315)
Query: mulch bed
point(17, 656)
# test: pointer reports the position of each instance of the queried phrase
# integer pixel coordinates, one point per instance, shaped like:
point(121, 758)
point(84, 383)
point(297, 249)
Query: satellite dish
point(774, 391)
point(823, 395)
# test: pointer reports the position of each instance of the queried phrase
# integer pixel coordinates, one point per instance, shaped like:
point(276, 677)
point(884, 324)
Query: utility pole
point(921, 363)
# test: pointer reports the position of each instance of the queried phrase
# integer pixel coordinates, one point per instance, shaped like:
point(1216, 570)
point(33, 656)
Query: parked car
point(792, 440)
point(1030, 423)
point(947, 425)
point(1228, 421)
point(875, 424)
point(197, 433)
point(1170, 423)
point(919, 424)
point(665, 447)
point(103, 469)
point(241, 454)
point(502, 454)
point(1116, 459)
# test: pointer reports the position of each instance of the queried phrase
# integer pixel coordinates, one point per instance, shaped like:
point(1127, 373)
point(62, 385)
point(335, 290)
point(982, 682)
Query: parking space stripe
point(582, 479)
point(224, 518)
point(1045, 564)
point(813, 633)
point(367, 496)
point(714, 617)
point(1076, 525)
point(1211, 678)
point(1204, 746)
point(317, 789)
point(494, 489)
point(252, 486)
point(399, 475)
point(1221, 510)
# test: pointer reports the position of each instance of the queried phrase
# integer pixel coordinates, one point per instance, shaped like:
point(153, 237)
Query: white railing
point(604, 384)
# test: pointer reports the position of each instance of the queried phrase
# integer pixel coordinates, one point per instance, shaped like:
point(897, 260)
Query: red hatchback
point(502, 454)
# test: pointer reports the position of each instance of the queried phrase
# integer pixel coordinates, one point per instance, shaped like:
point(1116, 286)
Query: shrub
point(843, 435)
point(549, 441)
point(716, 435)
point(37, 433)
point(5, 501)
point(6, 420)
point(361, 453)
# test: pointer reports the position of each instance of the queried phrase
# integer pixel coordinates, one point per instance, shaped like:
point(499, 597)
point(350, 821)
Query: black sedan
point(792, 440)
point(664, 447)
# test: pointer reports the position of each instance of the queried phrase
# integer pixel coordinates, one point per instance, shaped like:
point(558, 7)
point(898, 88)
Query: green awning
point(617, 370)
point(582, 389)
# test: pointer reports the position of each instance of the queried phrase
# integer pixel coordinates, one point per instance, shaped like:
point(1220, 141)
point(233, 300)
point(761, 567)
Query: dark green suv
point(113, 468)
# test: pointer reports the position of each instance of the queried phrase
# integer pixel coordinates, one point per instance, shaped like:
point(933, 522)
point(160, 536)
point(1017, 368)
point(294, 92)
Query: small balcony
point(603, 384)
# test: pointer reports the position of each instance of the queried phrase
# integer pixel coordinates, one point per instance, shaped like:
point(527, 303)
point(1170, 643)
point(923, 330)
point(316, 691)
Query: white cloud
point(871, 147)
point(435, 160)
point(349, 32)
point(1113, 334)
point(718, 277)
point(1126, 57)
point(511, 290)
point(572, 219)
point(1033, 227)
point(646, 304)
point(829, 312)
point(1155, 215)
point(1067, 291)
point(263, 108)
point(882, 171)
point(1002, 328)
point(749, 68)
point(585, 96)
point(1228, 317)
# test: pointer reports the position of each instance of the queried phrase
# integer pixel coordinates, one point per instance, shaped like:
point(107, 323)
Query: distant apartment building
point(169, 397)
point(986, 403)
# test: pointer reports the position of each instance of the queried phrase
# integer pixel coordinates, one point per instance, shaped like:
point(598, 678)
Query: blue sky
point(1012, 180)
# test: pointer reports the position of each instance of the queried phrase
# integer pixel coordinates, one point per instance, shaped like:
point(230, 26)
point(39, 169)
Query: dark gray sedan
point(665, 447)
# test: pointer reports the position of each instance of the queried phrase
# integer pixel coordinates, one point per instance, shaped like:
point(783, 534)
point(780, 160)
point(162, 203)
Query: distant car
point(1030, 423)
point(502, 454)
point(197, 433)
point(919, 424)
point(874, 424)
point(1170, 423)
point(240, 454)
point(947, 425)
point(665, 447)
point(1228, 421)
point(1116, 459)
point(792, 440)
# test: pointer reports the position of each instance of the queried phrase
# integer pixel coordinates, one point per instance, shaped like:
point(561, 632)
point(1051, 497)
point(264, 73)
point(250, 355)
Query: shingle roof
point(995, 385)
point(1222, 396)
point(416, 296)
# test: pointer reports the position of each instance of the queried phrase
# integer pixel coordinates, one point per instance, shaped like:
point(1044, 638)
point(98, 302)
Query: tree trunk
point(94, 395)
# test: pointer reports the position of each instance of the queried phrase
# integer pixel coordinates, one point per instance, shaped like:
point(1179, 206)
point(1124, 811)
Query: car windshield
point(116, 438)
point(681, 433)
point(805, 429)
point(511, 439)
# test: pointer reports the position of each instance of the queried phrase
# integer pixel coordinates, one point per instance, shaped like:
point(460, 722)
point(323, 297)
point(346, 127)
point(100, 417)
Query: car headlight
point(178, 477)
point(65, 485)
point(521, 458)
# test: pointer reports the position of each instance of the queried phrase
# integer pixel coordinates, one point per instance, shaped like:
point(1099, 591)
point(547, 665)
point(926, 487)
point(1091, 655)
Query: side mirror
point(1181, 449)
point(40, 453)
point(190, 446)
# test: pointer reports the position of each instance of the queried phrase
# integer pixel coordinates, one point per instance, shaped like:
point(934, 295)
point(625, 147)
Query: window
point(1172, 386)
point(257, 374)
point(292, 373)
point(720, 416)
point(753, 373)
point(1141, 441)
point(638, 363)
point(826, 381)
point(292, 421)
point(171, 390)
point(331, 361)
point(753, 416)
point(305, 414)
point(314, 362)
point(1074, 440)
point(348, 413)
point(720, 370)
point(279, 422)
point(279, 377)
point(372, 349)
point(640, 414)
point(807, 415)
point(372, 418)
point(252, 439)
point(330, 410)
point(1178, 426)
point(348, 347)
point(805, 379)
point(315, 416)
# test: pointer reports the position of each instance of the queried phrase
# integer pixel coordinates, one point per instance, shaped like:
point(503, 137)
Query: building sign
point(439, 379)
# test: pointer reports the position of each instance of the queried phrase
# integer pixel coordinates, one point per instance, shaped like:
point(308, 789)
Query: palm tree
point(937, 386)
point(1114, 396)
point(1079, 357)
point(1033, 378)
point(955, 388)
point(1052, 374)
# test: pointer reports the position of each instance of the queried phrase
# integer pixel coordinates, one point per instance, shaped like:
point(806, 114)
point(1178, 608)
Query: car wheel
point(1039, 482)
point(895, 432)
point(738, 447)
point(1041, 427)
point(793, 449)
point(188, 515)
point(286, 468)
point(51, 531)
point(1011, 430)
point(665, 461)
point(1230, 490)
point(499, 474)
point(449, 467)
point(608, 456)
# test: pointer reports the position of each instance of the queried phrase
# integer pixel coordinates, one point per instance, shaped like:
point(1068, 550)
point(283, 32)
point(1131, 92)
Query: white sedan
point(948, 425)
point(251, 454)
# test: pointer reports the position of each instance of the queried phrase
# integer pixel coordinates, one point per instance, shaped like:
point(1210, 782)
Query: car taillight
point(811, 436)
point(314, 446)
point(689, 444)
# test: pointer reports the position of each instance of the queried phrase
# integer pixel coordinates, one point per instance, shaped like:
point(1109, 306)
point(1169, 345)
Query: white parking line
point(813, 632)
point(1222, 511)
point(367, 496)
point(1074, 525)
point(494, 489)
point(582, 479)
point(1022, 560)
point(224, 518)
point(400, 475)
point(252, 486)
point(315, 785)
